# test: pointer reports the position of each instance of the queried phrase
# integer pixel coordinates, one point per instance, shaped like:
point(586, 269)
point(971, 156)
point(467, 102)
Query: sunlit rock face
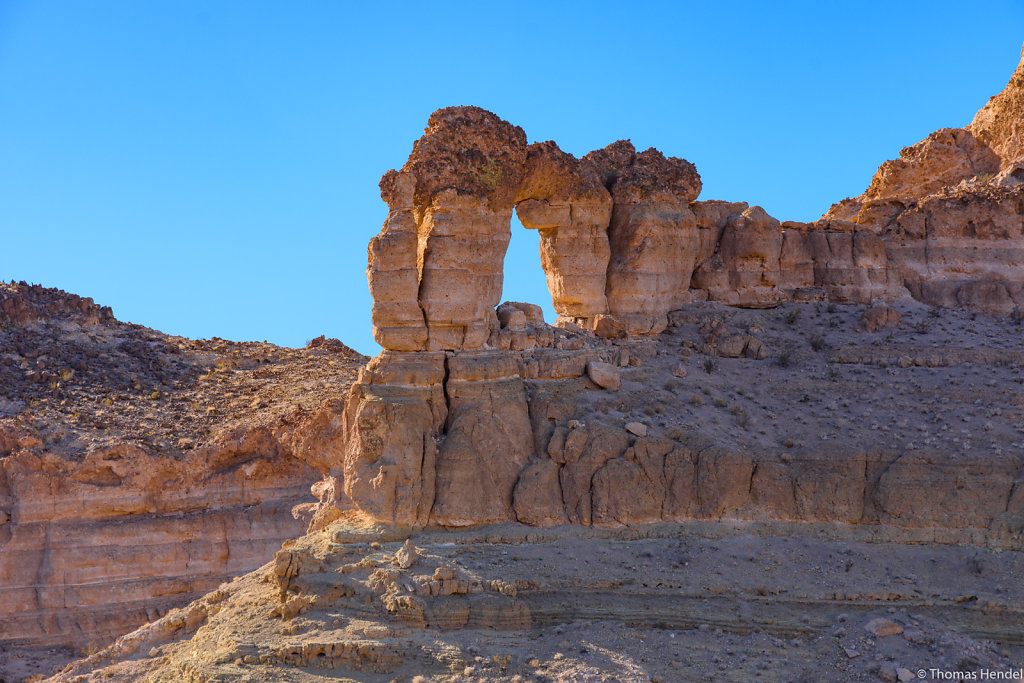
point(435, 270)
point(456, 422)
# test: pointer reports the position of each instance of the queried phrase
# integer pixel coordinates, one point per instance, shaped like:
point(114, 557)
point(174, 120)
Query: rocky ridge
point(494, 394)
point(138, 469)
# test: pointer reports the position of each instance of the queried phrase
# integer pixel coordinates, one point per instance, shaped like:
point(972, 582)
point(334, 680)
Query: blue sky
point(211, 168)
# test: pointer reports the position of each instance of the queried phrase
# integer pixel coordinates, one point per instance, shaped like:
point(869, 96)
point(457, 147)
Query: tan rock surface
point(1000, 123)
point(580, 604)
point(474, 415)
point(652, 234)
point(564, 198)
point(455, 194)
point(139, 470)
point(946, 213)
point(963, 247)
point(526, 436)
point(745, 269)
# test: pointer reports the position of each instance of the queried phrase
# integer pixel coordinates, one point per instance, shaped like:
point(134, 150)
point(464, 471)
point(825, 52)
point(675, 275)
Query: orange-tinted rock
point(653, 234)
point(435, 270)
point(745, 269)
point(487, 440)
point(963, 247)
point(392, 272)
point(944, 158)
point(1000, 123)
point(950, 235)
point(564, 198)
point(392, 415)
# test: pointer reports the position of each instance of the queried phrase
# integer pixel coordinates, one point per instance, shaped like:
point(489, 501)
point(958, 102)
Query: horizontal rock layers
point(624, 239)
point(469, 437)
point(91, 548)
point(950, 210)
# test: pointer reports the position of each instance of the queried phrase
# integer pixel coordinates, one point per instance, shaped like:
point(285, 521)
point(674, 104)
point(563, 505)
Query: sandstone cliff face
point(624, 240)
point(1000, 123)
point(652, 234)
point(618, 237)
point(446, 233)
point(947, 212)
point(963, 247)
point(545, 437)
point(138, 470)
point(566, 200)
point(442, 437)
point(464, 419)
point(92, 548)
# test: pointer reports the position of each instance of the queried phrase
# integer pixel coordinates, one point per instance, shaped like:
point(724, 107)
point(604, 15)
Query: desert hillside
point(747, 448)
point(138, 470)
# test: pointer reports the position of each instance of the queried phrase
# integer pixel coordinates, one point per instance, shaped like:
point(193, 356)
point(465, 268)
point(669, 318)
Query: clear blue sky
point(211, 168)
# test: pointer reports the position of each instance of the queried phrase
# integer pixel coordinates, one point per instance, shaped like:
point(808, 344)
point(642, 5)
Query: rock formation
point(464, 417)
point(949, 210)
point(436, 266)
point(566, 200)
point(652, 234)
point(624, 240)
point(139, 470)
point(666, 392)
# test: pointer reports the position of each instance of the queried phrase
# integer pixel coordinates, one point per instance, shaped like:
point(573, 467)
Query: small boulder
point(755, 349)
point(406, 555)
point(887, 673)
point(608, 327)
point(732, 346)
point(882, 627)
point(604, 375)
point(511, 318)
point(636, 428)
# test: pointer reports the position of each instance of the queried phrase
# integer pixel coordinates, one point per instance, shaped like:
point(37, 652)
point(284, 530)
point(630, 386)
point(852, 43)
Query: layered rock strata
point(592, 436)
point(365, 602)
point(949, 210)
point(138, 470)
point(90, 549)
point(624, 242)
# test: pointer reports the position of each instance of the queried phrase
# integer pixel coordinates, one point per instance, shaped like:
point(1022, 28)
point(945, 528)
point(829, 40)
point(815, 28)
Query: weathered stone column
point(565, 199)
point(653, 234)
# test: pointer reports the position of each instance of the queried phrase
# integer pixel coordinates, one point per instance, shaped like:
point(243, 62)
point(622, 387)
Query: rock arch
point(618, 238)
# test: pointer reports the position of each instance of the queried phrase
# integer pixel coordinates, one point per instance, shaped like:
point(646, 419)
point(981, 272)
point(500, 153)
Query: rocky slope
point(138, 470)
point(723, 602)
